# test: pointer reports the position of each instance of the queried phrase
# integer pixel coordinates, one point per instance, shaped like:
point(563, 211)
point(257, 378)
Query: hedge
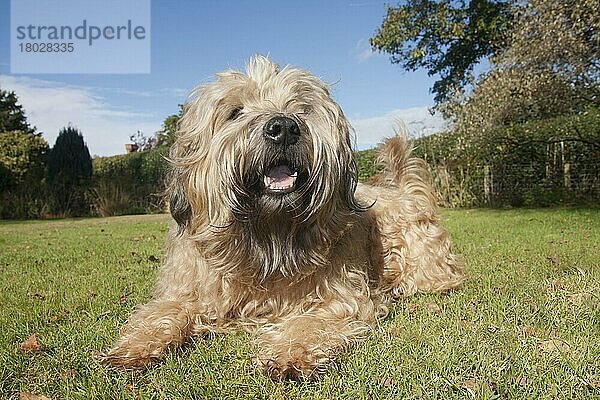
point(129, 183)
point(22, 165)
point(537, 163)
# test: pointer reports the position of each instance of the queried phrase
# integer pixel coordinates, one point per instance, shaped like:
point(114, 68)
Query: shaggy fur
point(273, 233)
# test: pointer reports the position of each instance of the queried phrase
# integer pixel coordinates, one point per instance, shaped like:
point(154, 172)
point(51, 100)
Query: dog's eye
point(307, 110)
point(234, 114)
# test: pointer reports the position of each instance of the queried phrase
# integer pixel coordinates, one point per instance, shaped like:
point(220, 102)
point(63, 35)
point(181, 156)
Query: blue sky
point(192, 40)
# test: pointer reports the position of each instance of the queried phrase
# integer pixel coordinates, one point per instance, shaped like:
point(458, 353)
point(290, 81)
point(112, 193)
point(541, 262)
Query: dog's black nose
point(282, 130)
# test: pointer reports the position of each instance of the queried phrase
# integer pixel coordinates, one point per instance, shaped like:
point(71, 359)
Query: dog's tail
point(395, 154)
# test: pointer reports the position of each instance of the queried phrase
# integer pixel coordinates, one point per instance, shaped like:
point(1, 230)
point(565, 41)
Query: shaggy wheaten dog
point(273, 233)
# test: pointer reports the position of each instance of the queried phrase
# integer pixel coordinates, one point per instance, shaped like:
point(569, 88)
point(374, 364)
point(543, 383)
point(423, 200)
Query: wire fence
point(516, 185)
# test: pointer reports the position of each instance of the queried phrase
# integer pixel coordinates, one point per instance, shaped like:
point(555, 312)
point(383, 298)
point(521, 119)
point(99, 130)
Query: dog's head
point(264, 145)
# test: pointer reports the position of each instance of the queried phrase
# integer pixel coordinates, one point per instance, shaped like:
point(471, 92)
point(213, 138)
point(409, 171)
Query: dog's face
point(261, 146)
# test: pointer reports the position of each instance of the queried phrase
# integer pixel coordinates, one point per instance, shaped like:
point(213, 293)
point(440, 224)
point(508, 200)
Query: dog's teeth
point(280, 178)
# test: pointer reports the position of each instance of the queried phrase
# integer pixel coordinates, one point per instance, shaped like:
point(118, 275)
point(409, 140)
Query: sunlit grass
point(525, 325)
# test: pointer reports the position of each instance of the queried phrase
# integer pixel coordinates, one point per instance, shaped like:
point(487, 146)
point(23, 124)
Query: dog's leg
point(181, 307)
point(152, 329)
point(304, 346)
point(418, 257)
point(303, 343)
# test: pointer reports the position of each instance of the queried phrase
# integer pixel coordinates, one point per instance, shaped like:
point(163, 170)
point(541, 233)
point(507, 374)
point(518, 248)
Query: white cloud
point(50, 106)
point(363, 51)
point(417, 120)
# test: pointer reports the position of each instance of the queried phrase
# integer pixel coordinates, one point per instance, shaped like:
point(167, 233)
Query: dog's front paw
point(128, 357)
point(292, 363)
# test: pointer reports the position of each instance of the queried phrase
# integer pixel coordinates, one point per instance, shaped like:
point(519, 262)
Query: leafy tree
point(142, 142)
point(558, 36)
point(22, 168)
point(538, 104)
point(22, 159)
point(69, 172)
point(12, 116)
point(166, 136)
point(551, 67)
point(448, 38)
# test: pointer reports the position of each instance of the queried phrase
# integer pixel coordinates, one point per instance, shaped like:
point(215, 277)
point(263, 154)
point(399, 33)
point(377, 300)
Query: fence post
point(488, 184)
point(567, 175)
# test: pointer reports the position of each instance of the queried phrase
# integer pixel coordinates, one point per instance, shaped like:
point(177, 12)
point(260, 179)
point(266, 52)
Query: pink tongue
point(280, 177)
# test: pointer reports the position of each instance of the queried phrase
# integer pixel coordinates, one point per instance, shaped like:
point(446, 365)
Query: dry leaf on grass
point(470, 383)
point(31, 345)
point(523, 381)
point(386, 381)
point(528, 331)
point(471, 386)
point(433, 307)
point(577, 298)
point(31, 396)
point(556, 285)
point(554, 346)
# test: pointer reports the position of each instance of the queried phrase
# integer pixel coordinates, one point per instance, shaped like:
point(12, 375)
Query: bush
point(22, 166)
point(129, 183)
point(539, 163)
point(22, 158)
point(366, 164)
point(69, 173)
point(134, 183)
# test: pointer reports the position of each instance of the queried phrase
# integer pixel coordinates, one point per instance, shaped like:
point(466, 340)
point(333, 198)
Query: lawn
point(526, 324)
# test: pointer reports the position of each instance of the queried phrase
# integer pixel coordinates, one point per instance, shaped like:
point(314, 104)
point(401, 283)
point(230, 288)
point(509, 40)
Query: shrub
point(366, 164)
point(22, 158)
point(69, 173)
point(129, 183)
point(22, 167)
point(540, 163)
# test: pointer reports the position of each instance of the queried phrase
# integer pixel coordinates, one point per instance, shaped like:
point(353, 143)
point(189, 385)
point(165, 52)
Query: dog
point(273, 234)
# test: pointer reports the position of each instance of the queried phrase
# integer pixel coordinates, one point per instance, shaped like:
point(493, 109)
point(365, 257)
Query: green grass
point(525, 325)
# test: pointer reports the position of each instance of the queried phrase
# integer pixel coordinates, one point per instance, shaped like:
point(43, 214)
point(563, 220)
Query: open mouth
point(280, 179)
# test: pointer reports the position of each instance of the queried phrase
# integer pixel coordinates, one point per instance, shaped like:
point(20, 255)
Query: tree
point(166, 136)
point(550, 67)
point(448, 38)
point(558, 37)
point(12, 116)
point(22, 168)
point(22, 159)
point(142, 142)
point(537, 105)
point(69, 172)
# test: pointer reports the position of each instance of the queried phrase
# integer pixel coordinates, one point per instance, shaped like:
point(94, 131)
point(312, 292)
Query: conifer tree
point(12, 115)
point(69, 172)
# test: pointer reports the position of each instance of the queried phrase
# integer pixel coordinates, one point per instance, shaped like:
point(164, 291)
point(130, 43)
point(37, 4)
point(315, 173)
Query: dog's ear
point(179, 205)
point(349, 170)
point(350, 180)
